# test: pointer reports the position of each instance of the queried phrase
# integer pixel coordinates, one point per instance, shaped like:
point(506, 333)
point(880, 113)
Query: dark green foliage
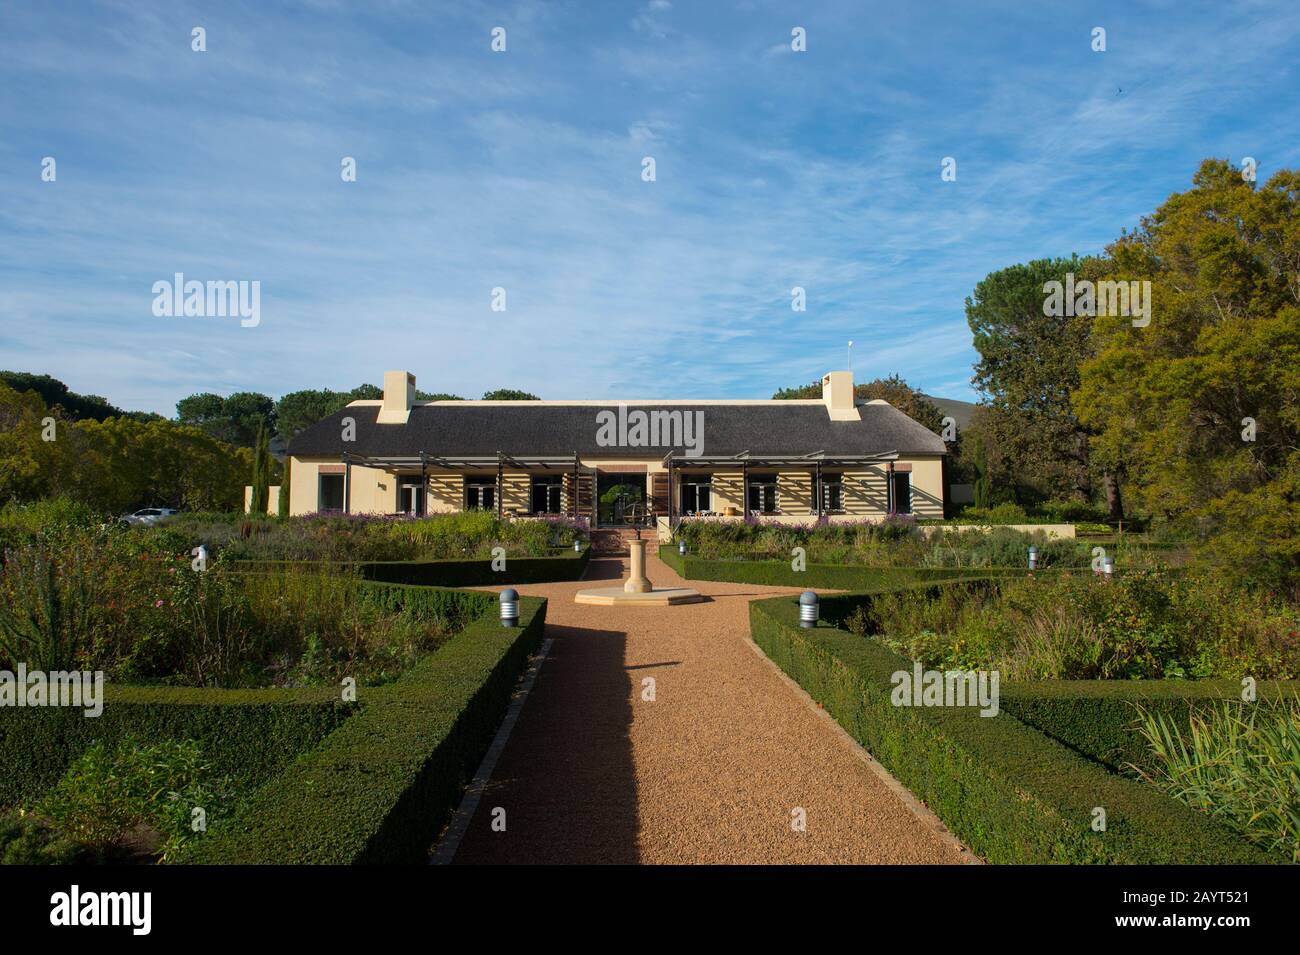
point(1013, 794)
point(46, 604)
point(565, 565)
point(301, 409)
point(509, 394)
point(261, 472)
point(246, 734)
point(380, 789)
point(428, 602)
point(828, 576)
point(1068, 625)
point(112, 791)
point(26, 840)
point(893, 389)
point(282, 499)
point(437, 396)
point(55, 393)
point(1098, 717)
point(236, 420)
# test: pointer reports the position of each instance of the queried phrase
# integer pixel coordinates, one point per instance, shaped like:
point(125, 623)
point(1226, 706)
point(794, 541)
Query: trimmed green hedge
point(248, 734)
point(778, 573)
point(1012, 793)
point(1094, 717)
point(853, 577)
point(380, 788)
point(568, 565)
point(476, 572)
point(438, 601)
point(1097, 717)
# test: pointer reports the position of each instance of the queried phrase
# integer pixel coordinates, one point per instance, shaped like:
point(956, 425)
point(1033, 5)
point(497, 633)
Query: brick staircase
point(612, 541)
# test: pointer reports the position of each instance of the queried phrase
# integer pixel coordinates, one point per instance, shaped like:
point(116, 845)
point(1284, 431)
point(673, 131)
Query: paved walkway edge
point(459, 825)
point(905, 795)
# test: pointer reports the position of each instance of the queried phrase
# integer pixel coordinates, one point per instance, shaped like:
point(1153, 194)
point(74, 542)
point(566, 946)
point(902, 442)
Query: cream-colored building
point(620, 462)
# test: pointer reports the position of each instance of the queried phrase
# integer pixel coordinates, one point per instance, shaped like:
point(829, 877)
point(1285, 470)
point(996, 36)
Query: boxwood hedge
point(828, 576)
point(475, 572)
point(1011, 792)
point(564, 565)
point(1098, 717)
point(246, 734)
point(379, 789)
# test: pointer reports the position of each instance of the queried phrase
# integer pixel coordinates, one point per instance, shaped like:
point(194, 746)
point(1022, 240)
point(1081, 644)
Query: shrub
point(129, 602)
point(1143, 625)
point(1007, 513)
point(48, 594)
point(113, 790)
point(361, 538)
point(27, 840)
point(565, 565)
point(248, 735)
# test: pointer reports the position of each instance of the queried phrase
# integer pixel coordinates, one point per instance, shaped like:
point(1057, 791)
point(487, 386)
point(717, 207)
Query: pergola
point(421, 462)
point(814, 461)
point(674, 462)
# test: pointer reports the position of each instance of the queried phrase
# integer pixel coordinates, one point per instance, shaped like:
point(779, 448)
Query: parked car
point(149, 516)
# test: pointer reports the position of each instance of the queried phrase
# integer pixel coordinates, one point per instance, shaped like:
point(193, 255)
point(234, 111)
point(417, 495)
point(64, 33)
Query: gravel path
point(707, 772)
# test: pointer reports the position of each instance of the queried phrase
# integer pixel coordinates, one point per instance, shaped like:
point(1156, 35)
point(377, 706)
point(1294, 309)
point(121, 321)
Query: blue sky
point(522, 170)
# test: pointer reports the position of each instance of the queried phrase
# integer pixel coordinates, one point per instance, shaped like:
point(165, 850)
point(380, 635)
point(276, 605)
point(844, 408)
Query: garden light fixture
point(509, 607)
point(807, 609)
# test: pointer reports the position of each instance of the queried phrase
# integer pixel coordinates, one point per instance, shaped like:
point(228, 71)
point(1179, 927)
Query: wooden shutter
point(659, 493)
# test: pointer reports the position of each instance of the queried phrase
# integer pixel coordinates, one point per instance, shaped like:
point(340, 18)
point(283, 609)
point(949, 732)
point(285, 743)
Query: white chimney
point(837, 393)
point(399, 395)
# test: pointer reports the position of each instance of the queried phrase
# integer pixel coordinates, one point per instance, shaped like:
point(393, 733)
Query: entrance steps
point(612, 541)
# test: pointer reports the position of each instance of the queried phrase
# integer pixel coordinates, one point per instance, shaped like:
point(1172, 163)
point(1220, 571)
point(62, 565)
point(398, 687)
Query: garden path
point(710, 771)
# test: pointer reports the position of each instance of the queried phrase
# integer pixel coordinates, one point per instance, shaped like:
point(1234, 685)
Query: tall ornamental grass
point(1239, 763)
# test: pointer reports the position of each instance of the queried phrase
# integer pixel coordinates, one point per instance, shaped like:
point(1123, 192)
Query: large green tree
point(301, 409)
point(56, 394)
point(1200, 409)
point(1028, 369)
point(509, 394)
point(115, 465)
point(235, 420)
point(893, 389)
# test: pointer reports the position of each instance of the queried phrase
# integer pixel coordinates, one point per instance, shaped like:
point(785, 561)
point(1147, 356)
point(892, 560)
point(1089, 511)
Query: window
point(548, 494)
point(410, 496)
point(480, 496)
point(762, 495)
point(697, 494)
point(329, 495)
point(832, 493)
point(902, 496)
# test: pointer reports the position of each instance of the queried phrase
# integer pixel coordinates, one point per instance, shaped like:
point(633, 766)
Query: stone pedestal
point(637, 591)
point(637, 582)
